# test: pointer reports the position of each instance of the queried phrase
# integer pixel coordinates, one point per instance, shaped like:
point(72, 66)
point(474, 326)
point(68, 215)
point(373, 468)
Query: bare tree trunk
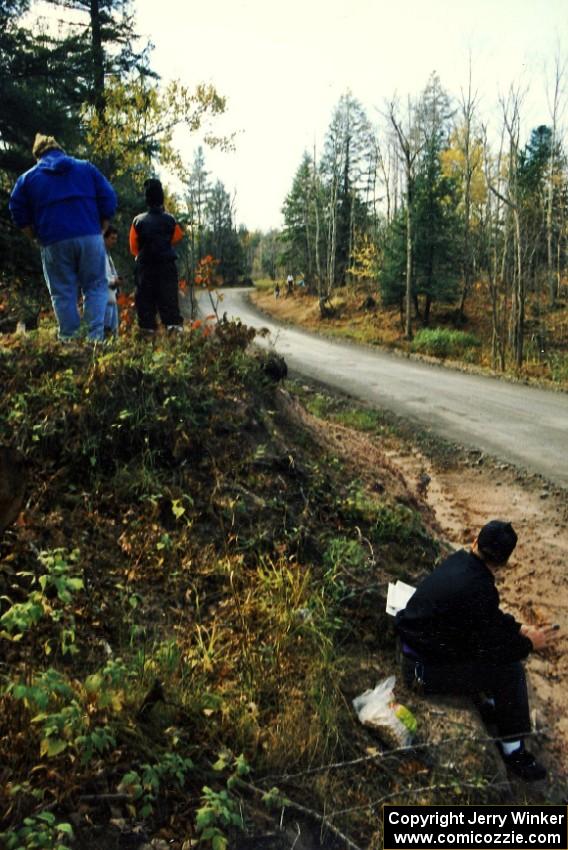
point(553, 275)
point(497, 269)
point(348, 277)
point(331, 248)
point(552, 279)
point(410, 150)
point(332, 241)
point(504, 289)
point(511, 119)
point(408, 297)
point(468, 109)
point(308, 272)
point(98, 61)
point(519, 295)
point(562, 235)
point(315, 193)
point(386, 180)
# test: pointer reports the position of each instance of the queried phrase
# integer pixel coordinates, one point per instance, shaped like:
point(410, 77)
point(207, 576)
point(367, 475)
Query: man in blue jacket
point(66, 203)
point(456, 639)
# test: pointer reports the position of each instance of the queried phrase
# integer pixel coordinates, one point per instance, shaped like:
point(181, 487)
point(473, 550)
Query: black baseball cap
point(496, 541)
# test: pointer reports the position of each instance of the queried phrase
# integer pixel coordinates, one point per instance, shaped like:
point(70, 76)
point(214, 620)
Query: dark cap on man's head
point(154, 192)
point(496, 541)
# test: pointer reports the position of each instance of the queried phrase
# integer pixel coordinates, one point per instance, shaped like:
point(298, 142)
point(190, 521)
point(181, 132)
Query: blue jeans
point(111, 318)
point(74, 265)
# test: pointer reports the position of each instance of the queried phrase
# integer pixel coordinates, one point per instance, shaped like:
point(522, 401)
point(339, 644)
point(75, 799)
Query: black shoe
point(524, 765)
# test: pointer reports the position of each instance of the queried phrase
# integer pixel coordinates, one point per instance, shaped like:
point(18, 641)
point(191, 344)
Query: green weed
point(443, 342)
point(220, 810)
point(360, 418)
point(319, 405)
point(39, 831)
point(60, 581)
point(144, 785)
point(344, 552)
point(395, 522)
point(558, 364)
point(342, 558)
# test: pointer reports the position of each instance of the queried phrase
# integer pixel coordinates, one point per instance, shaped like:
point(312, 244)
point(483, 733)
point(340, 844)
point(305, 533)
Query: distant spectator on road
point(113, 280)
point(152, 237)
point(289, 284)
point(66, 203)
point(277, 290)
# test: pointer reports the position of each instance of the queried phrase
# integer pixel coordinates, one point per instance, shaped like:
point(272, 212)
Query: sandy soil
point(533, 586)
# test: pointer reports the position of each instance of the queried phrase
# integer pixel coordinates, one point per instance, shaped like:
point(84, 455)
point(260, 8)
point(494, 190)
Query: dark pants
point(157, 292)
point(506, 684)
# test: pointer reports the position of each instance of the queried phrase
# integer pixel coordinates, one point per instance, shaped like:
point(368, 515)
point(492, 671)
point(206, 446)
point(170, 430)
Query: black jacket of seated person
point(456, 640)
point(454, 616)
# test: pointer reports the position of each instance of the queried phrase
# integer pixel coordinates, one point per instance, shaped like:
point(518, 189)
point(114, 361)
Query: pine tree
point(36, 92)
point(300, 222)
point(346, 175)
point(438, 233)
point(220, 238)
point(197, 193)
point(392, 274)
point(110, 42)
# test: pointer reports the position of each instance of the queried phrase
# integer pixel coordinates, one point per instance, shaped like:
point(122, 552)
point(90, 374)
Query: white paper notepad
point(398, 596)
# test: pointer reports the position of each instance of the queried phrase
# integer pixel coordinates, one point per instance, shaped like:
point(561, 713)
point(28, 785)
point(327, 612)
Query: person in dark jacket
point(66, 203)
point(152, 237)
point(455, 639)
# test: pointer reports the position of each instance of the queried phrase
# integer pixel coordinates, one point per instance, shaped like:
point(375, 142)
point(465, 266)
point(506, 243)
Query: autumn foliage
point(205, 272)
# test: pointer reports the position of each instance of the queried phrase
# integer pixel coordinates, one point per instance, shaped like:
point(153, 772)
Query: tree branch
point(502, 197)
point(385, 754)
point(321, 819)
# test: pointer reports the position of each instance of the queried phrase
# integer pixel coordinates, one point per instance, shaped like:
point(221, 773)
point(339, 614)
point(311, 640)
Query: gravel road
point(522, 425)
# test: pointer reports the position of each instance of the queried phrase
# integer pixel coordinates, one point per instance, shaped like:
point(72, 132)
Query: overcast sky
point(284, 65)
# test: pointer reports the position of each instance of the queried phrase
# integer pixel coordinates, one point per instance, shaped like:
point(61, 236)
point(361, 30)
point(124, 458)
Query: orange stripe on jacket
point(133, 241)
point(177, 234)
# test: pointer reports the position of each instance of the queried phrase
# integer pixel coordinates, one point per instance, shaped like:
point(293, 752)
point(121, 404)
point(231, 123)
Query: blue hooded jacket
point(61, 198)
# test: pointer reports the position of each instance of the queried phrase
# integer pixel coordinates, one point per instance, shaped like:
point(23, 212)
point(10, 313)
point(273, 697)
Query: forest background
point(427, 207)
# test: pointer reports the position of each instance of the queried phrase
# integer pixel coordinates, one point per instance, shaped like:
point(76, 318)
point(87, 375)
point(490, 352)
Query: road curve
point(522, 425)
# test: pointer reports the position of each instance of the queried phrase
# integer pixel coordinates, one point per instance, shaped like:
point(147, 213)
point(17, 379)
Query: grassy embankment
point(469, 346)
point(191, 598)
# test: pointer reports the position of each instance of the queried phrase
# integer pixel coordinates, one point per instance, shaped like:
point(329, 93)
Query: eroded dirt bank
point(459, 490)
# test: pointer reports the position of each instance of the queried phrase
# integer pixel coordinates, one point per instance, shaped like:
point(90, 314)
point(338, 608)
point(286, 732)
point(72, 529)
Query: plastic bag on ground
point(378, 708)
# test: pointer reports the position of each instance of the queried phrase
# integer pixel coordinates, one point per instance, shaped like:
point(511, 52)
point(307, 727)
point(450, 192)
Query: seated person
point(456, 640)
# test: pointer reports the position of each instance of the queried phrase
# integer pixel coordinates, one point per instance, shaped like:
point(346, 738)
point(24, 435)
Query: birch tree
point(496, 244)
point(472, 163)
point(346, 172)
point(511, 119)
point(556, 102)
point(410, 145)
